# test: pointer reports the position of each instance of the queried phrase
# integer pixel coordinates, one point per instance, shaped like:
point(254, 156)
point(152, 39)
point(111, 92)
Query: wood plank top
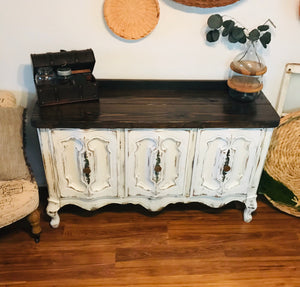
point(159, 104)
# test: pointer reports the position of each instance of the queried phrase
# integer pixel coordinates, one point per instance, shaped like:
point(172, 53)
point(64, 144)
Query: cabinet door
point(86, 162)
point(156, 162)
point(225, 161)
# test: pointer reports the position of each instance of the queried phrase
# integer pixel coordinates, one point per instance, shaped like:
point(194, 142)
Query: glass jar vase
point(64, 75)
point(45, 76)
point(245, 79)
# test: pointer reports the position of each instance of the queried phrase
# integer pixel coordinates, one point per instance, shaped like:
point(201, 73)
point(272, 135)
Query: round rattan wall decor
point(131, 19)
point(280, 182)
point(206, 3)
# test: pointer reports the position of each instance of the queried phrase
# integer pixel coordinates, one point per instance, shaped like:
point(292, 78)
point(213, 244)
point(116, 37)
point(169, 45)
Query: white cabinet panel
point(225, 161)
point(86, 162)
point(156, 162)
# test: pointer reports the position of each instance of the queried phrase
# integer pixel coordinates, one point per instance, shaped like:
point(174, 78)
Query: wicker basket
point(206, 3)
point(283, 159)
point(131, 19)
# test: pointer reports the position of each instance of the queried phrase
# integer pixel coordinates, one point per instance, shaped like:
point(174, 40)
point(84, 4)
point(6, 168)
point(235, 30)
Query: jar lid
point(45, 70)
point(64, 71)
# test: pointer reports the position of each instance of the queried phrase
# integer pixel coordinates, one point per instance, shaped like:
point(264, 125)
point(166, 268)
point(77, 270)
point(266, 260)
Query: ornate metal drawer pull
point(226, 167)
point(86, 169)
point(157, 168)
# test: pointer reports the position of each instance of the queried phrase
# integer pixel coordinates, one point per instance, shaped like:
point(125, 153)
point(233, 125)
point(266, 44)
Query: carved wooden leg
point(34, 220)
point(52, 211)
point(251, 206)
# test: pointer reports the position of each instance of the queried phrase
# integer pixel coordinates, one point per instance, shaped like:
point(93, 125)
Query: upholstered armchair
point(19, 195)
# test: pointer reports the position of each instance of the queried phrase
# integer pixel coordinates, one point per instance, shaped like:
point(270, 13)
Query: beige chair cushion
point(7, 99)
point(18, 193)
point(18, 198)
point(13, 165)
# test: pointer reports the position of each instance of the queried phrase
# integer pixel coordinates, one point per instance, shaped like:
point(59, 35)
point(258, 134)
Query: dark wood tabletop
point(159, 104)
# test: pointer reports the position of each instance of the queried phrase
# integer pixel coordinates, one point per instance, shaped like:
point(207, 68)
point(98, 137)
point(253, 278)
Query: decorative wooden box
point(64, 77)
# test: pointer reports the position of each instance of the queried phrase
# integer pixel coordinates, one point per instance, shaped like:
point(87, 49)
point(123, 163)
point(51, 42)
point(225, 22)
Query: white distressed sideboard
point(155, 143)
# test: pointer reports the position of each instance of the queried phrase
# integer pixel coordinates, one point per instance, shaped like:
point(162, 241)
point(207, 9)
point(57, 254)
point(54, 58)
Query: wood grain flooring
point(181, 246)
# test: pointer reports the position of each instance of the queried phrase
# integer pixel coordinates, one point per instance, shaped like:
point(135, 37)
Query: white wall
point(176, 49)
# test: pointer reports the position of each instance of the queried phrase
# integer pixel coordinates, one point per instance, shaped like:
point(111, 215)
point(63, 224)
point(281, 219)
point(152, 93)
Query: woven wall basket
point(283, 162)
point(131, 19)
point(206, 3)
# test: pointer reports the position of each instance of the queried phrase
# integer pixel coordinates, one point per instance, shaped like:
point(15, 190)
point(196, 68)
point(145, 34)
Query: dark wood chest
point(64, 77)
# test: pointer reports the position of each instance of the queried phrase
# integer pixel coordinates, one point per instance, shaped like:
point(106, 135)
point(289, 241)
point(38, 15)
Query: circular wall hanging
point(131, 19)
point(206, 3)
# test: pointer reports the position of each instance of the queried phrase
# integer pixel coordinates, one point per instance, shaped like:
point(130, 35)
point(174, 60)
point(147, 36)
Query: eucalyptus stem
point(271, 22)
point(238, 22)
point(235, 31)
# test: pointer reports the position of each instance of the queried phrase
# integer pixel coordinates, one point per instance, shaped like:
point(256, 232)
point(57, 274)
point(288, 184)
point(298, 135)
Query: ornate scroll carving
point(225, 162)
point(100, 155)
point(73, 152)
point(156, 163)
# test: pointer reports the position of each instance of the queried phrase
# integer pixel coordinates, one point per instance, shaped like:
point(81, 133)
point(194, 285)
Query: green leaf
point(231, 39)
point(228, 24)
point(254, 35)
point(215, 21)
point(243, 40)
point(265, 39)
point(225, 32)
point(276, 190)
point(237, 33)
point(263, 27)
point(213, 35)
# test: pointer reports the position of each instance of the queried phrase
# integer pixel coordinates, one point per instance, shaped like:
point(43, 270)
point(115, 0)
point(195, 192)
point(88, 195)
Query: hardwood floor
point(181, 246)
